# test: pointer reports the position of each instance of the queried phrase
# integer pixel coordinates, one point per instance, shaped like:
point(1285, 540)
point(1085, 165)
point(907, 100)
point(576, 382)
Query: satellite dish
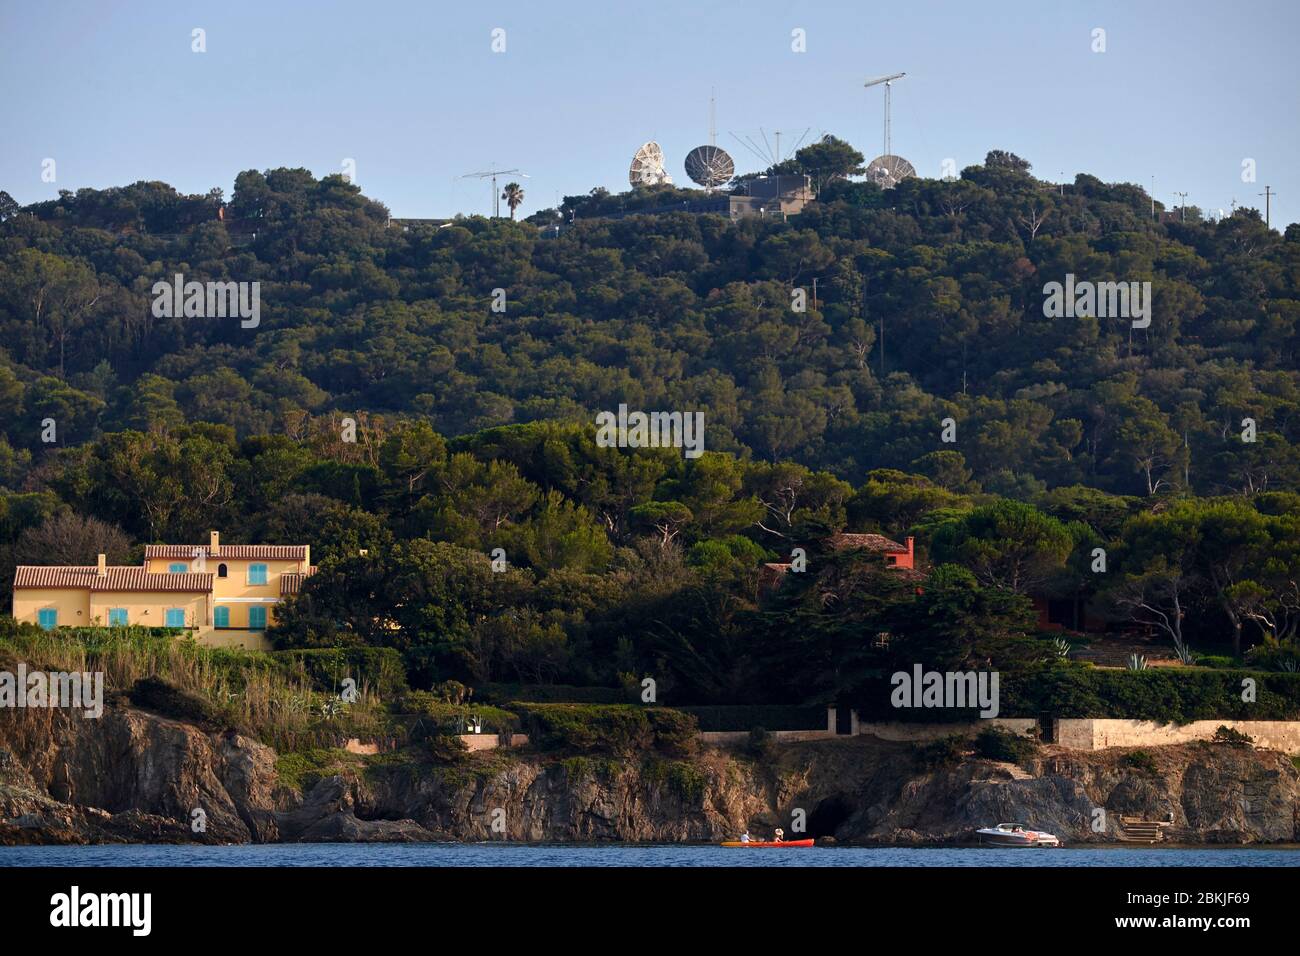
point(709, 166)
point(888, 171)
point(648, 167)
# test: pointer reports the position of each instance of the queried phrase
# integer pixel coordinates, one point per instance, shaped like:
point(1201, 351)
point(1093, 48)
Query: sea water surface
point(534, 855)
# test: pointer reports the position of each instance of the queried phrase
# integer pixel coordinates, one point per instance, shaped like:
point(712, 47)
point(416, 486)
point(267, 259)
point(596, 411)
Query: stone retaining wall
point(1097, 734)
point(899, 730)
point(492, 741)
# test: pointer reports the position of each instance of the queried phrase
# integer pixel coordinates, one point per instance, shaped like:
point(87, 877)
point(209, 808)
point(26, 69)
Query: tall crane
point(889, 82)
point(493, 173)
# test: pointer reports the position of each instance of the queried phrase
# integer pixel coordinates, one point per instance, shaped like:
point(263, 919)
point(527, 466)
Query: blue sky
point(414, 94)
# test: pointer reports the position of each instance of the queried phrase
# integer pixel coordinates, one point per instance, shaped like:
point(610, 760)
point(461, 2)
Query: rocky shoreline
point(136, 777)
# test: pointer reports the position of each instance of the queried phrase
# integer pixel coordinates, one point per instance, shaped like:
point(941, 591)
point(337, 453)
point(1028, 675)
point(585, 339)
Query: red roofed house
point(895, 555)
point(225, 595)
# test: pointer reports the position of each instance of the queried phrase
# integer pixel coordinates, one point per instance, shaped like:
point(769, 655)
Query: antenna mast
point(493, 173)
point(1268, 195)
point(889, 82)
point(1182, 216)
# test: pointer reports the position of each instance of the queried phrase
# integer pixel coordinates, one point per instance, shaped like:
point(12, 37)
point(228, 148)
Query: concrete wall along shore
point(1072, 733)
point(1085, 734)
point(1100, 733)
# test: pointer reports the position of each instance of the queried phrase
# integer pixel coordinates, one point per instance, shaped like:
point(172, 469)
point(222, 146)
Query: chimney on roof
point(214, 542)
point(101, 570)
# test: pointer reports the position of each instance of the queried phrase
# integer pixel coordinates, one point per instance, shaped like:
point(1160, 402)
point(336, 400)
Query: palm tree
point(513, 194)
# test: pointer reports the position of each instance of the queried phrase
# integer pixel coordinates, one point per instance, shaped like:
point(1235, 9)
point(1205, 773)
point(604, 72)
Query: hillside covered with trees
point(684, 312)
point(474, 426)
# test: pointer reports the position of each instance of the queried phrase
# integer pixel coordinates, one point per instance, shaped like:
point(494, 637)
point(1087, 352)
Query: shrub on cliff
point(447, 748)
point(943, 752)
point(301, 770)
point(438, 716)
point(615, 728)
point(676, 733)
point(993, 743)
point(153, 693)
point(683, 778)
point(1140, 760)
point(761, 745)
point(588, 728)
point(1233, 738)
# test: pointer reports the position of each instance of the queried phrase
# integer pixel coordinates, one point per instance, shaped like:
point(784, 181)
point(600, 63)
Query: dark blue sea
point(506, 854)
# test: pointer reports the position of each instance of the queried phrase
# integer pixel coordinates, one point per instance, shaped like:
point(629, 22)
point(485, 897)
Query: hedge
point(549, 693)
point(750, 716)
point(621, 729)
point(1163, 694)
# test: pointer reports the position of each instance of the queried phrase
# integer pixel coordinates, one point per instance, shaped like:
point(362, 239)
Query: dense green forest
point(474, 426)
point(683, 312)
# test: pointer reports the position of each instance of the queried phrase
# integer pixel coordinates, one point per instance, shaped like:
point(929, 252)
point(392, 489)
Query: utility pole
point(1268, 201)
point(1183, 207)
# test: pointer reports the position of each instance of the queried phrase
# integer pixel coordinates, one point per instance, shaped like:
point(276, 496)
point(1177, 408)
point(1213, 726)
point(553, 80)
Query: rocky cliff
point(133, 776)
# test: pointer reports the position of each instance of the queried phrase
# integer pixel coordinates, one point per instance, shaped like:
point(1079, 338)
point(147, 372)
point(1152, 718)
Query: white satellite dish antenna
point(888, 171)
point(710, 166)
point(648, 167)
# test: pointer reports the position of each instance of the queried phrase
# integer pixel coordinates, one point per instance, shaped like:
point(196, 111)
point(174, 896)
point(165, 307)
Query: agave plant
point(1137, 662)
point(1062, 647)
point(293, 703)
point(1290, 665)
point(1183, 652)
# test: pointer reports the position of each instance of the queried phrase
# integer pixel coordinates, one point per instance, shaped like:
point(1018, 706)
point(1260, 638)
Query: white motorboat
point(1014, 834)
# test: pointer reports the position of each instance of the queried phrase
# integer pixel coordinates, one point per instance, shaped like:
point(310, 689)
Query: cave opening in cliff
point(828, 816)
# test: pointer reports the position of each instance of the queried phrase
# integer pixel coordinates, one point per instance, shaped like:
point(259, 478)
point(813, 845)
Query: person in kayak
point(744, 837)
point(780, 835)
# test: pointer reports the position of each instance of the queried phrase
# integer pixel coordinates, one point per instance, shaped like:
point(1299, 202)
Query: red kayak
point(765, 843)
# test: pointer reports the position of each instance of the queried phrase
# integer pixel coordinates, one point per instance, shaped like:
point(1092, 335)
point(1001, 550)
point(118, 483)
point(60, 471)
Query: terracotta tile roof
point(843, 541)
point(271, 552)
point(65, 576)
point(115, 579)
point(291, 581)
point(771, 574)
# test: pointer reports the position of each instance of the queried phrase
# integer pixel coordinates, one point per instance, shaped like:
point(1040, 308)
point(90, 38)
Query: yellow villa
point(223, 594)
